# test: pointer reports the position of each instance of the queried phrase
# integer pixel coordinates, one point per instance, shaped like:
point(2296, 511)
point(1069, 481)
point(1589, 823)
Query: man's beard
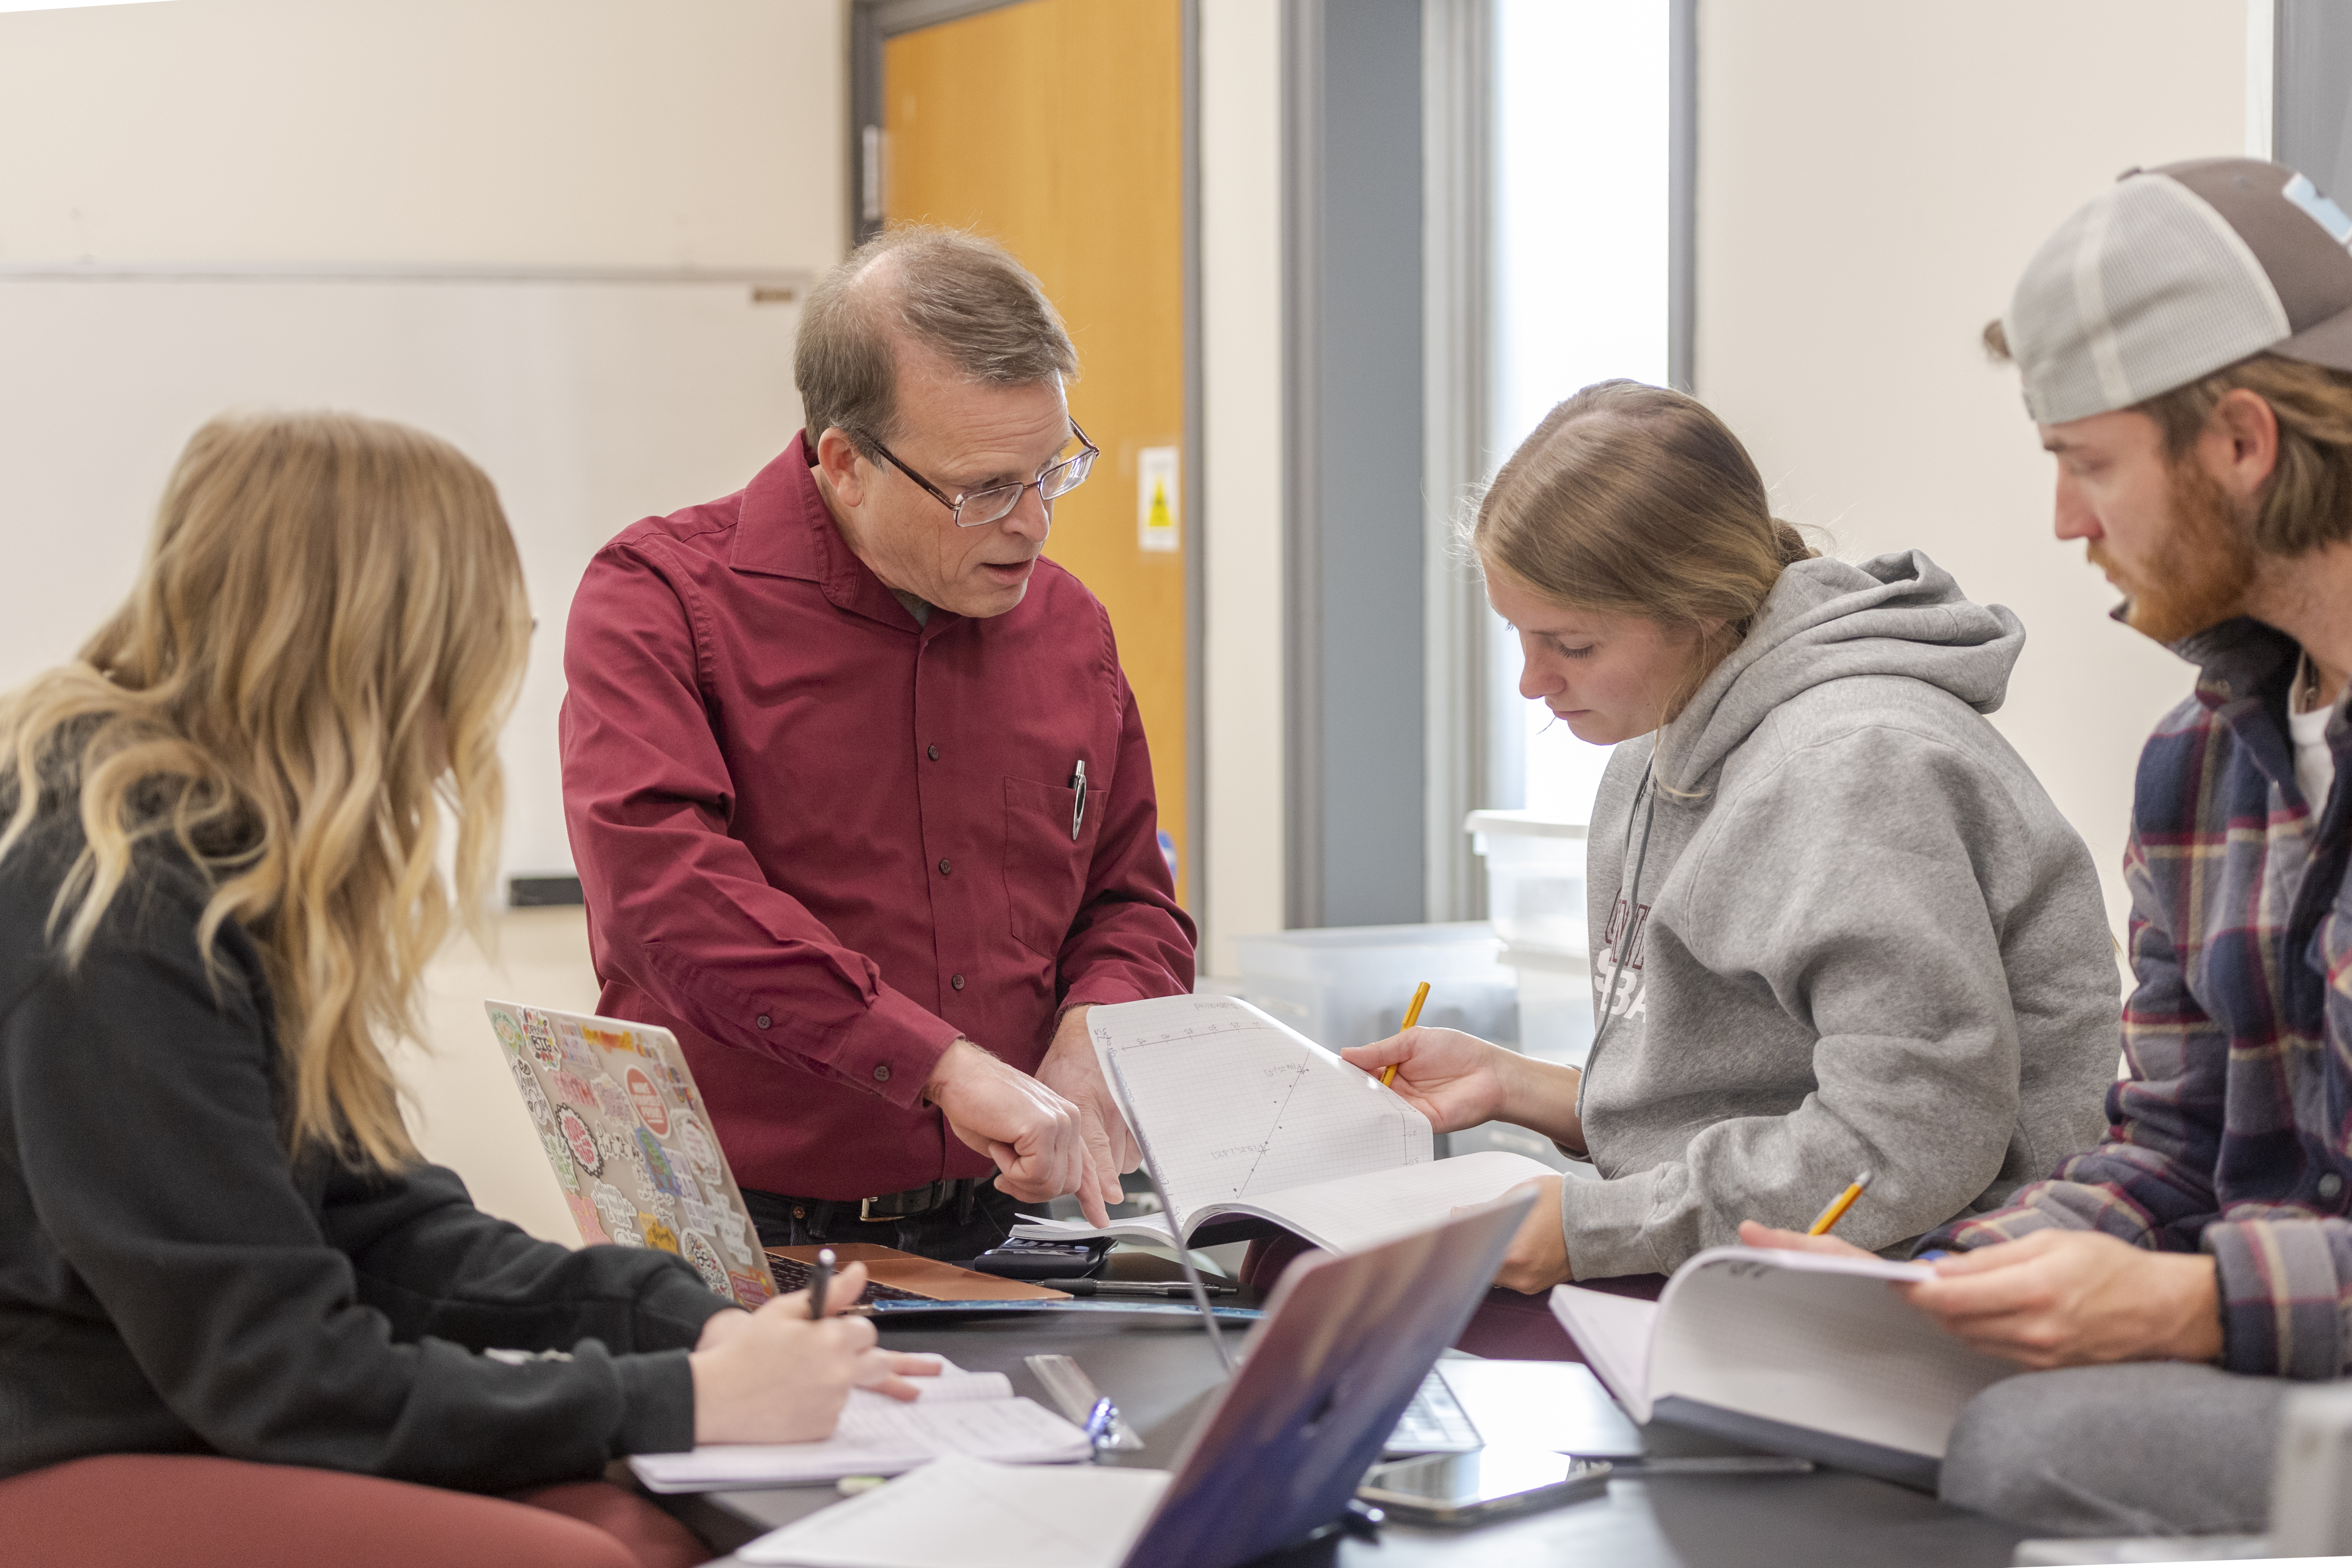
point(2199, 572)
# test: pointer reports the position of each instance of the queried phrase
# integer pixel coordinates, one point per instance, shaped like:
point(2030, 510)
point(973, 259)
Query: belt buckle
point(864, 1204)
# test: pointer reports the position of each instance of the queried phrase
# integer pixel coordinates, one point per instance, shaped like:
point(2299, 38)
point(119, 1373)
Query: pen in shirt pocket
point(1078, 811)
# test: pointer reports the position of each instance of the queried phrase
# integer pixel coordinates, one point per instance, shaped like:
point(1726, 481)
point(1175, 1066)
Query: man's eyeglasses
point(995, 502)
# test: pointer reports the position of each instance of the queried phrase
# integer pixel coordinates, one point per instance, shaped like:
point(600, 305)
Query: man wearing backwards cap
point(2186, 345)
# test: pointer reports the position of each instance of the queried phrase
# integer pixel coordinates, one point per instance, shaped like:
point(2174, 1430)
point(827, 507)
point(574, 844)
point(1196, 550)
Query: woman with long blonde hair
point(229, 1289)
point(1836, 924)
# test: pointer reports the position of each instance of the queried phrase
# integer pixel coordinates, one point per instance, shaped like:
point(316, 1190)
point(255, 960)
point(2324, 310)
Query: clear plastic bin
point(1535, 880)
point(1555, 1004)
point(1349, 985)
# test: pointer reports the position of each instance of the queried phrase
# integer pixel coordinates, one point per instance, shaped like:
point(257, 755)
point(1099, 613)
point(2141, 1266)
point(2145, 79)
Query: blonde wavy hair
point(326, 635)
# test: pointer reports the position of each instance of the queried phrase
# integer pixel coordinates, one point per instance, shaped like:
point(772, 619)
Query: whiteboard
point(591, 399)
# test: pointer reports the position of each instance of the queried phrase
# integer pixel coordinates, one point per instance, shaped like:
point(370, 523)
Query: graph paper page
point(1231, 1104)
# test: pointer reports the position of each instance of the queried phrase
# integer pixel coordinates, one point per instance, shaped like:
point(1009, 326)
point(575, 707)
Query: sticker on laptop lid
point(731, 1229)
point(585, 1216)
point(657, 1163)
point(534, 1098)
point(613, 1102)
point(647, 1100)
point(705, 1258)
point(749, 1292)
point(657, 1234)
point(573, 1091)
point(699, 1147)
point(510, 1033)
point(619, 1215)
point(561, 1158)
point(579, 1141)
point(541, 1038)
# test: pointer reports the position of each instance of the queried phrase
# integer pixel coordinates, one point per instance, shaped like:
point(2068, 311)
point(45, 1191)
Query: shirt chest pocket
point(1048, 842)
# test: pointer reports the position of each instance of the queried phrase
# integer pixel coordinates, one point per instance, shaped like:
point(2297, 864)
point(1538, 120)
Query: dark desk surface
point(1161, 1372)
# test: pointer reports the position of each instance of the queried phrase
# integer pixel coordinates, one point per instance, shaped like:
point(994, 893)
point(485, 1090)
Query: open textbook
point(958, 1412)
point(1243, 1117)
point(1794, 1352)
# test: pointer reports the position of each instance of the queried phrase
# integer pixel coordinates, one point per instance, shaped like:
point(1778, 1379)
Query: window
point(1580, 277)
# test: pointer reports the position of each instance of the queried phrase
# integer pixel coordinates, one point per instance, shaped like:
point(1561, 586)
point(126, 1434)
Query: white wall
point(703, 132)
point(1872, 179)
point(1241, 290)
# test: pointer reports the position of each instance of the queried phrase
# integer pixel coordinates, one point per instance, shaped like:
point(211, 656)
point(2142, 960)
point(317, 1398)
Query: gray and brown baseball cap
point(2171, 274)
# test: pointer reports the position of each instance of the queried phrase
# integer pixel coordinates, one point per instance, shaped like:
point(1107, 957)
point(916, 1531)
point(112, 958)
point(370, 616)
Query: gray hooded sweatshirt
point(1861, 936)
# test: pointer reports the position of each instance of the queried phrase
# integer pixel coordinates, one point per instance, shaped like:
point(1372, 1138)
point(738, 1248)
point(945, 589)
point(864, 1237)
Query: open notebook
point(973, 1413)
point(1791, 1352)
point(1243, 1117)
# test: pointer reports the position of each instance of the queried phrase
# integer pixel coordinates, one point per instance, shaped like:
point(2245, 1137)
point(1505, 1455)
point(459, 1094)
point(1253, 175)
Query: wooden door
point(1055, 127)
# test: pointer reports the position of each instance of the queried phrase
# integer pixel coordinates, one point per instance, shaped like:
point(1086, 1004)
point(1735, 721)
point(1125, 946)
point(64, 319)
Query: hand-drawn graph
point(1231, 1104)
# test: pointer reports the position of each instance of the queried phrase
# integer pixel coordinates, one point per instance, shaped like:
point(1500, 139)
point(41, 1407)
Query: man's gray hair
point(958, 295)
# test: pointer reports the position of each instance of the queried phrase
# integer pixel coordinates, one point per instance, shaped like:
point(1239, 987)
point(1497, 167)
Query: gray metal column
point(1352, 165)
point(2311, 95)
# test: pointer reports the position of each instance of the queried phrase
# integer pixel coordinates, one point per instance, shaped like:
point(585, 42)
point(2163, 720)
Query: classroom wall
point(512, 131)
point(503, 132)
point(1872, 178)
point(1242, 335)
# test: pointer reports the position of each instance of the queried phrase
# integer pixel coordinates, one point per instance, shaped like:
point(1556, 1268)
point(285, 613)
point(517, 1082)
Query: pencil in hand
point(1412, 1016)
point(1838, 1206)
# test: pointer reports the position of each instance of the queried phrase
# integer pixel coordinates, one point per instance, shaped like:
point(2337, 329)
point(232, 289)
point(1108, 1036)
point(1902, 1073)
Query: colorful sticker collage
point(638, 1166)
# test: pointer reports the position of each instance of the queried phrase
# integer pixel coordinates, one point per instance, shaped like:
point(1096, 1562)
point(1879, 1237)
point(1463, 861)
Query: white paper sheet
point(968, 1513)
point(959, 1412)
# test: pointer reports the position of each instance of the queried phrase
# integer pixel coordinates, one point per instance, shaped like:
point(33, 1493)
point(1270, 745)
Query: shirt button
point(946, 870)
point(935, 753)
point(2330, 1185)
point(762, 1020)
point(956, 981)
point(882, 1073)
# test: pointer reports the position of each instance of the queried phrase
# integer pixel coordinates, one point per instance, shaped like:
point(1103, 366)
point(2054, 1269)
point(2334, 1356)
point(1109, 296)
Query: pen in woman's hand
point(820, 1282)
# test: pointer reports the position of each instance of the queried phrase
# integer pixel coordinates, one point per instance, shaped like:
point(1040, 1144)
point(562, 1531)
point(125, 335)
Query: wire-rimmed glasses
point(997, 502)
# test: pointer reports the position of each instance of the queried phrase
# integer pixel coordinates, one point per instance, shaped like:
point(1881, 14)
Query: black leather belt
point(915, 1201)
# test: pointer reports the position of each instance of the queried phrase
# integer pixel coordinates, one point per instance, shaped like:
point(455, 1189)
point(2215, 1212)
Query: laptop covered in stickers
point(627, 1135)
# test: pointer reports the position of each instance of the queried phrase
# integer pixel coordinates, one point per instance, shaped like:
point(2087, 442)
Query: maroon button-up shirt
point(819, 841)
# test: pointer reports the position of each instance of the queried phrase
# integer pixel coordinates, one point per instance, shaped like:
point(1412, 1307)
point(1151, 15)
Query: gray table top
point(1163, 1373)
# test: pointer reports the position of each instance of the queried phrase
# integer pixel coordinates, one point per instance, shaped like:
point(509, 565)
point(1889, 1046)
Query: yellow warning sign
point(1157, 506)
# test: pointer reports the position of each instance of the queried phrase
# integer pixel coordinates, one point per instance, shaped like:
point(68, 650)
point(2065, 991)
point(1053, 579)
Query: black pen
point(820, 1282)
point(1079, 811)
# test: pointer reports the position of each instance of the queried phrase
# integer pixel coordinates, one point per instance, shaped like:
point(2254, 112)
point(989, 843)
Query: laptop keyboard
point(1435, 1423)
point(793, 1275)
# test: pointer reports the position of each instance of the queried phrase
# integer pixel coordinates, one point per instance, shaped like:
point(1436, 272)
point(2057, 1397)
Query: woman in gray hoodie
point(1837, 925)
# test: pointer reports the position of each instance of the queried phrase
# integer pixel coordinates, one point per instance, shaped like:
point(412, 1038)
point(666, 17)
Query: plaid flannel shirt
point(2230, 1132)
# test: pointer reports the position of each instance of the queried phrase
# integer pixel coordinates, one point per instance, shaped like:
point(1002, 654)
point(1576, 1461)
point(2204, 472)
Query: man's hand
point(1036, 1138)
point(2060, 1298)
point(775, 1376)
point(1071, 1070)
point(1455, 1080)
point(2077, 1298)
point(1536, 1258)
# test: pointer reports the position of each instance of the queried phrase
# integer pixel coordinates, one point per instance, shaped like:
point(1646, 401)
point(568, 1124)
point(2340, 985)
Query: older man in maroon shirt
point(857, 790)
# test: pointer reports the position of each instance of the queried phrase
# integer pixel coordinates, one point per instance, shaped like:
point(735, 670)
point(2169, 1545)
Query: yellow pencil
point(1412, 1016)
point(1838, 1206)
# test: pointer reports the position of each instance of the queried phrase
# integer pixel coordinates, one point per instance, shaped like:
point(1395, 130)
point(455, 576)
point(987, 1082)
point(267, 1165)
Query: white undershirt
point(2315, 764)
